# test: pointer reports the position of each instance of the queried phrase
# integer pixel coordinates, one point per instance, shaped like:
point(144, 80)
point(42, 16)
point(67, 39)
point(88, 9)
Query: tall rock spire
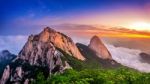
point(99, 48)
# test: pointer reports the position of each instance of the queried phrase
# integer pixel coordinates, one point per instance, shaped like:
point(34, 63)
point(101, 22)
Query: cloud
point(128, 57)
point(12, 43)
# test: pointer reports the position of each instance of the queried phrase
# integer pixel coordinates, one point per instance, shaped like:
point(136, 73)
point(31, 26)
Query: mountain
point(46, 53)
point(92, 59)
point(99, 48)
point(6, 55)
point(145, 57)
point(61, 41)
point(5, 58)
point(51, 52)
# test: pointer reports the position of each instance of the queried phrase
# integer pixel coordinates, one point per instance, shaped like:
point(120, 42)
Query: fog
point(128, 57)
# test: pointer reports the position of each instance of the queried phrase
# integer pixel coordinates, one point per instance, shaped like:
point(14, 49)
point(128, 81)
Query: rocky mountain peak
point(41, 52)
point(97, 46)
point(96, 39)
point(47, 41)
point(61, 41)
point(48, 29)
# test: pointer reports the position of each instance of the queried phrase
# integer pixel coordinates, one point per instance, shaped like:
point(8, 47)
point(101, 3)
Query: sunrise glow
point(139, 26)
point(125, 35)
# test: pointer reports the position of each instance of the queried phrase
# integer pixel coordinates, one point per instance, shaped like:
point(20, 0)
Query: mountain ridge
point(52, 52)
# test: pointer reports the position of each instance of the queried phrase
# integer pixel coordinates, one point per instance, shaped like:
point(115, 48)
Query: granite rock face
point(92, 57)
point(61, 41)
point(40, 53)
point(99, 48)
point(6, 75)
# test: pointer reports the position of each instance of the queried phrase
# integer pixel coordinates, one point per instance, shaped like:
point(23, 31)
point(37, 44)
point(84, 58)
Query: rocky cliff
point(61, 41)
point(99, 48)
point(41, 52)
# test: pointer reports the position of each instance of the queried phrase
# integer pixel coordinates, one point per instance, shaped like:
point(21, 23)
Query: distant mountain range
point(145, 57)
point(5, 58)
point(6, 55)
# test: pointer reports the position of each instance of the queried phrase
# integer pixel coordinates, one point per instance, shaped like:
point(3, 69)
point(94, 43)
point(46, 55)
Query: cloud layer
point(128, 57)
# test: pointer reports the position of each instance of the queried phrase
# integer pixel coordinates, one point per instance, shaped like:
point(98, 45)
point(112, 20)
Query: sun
point(140, 26)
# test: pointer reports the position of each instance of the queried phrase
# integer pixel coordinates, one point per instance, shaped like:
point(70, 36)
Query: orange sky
point(106, 32)
point(132, 18)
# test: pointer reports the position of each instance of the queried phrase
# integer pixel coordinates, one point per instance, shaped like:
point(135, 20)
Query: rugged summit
point(42, 52)
point(61, 41)
point(99, 48)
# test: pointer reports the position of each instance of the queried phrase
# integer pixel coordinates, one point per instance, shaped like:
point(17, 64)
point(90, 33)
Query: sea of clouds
point(128, 57)
point(125, 56)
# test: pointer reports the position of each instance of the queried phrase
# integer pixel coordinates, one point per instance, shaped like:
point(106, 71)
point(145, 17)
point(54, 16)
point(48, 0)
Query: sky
point(20, 18)
point(23, 17)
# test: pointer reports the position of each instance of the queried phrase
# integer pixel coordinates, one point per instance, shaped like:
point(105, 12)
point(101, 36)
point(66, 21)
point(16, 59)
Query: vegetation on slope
point(96, 76)
point(78, 64)
point(83, 73)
